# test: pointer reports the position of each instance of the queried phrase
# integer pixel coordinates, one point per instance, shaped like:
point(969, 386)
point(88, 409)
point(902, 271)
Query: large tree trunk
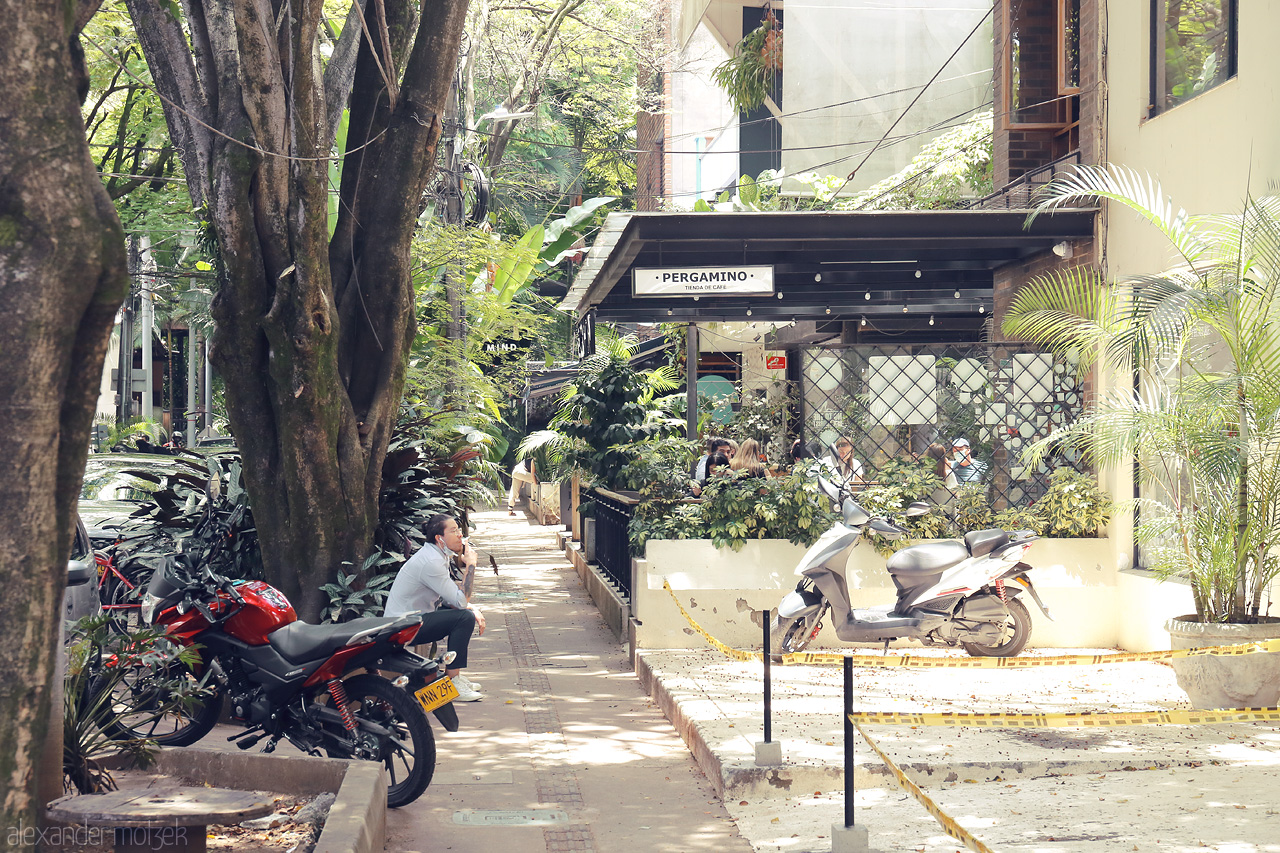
point(312, 333)
point(62, 278)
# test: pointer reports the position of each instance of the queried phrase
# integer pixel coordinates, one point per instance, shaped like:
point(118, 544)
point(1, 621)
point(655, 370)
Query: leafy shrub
point(1074, 506)
point(734, 509)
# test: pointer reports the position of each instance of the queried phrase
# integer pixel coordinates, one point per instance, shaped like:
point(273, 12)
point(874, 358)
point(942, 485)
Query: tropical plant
point(748, 76)
point(609, 408)
point(361, 593)
point(1204, 423)
point(95, 695)
point(737, 508)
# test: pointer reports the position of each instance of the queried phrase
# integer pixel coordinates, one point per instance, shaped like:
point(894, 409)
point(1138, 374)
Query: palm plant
point(1202, 421)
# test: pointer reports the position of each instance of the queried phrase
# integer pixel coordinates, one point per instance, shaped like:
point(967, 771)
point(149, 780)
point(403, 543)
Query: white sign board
point(704, 281)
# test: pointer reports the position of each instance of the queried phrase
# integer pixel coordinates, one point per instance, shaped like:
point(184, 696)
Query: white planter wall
point(1095, 604)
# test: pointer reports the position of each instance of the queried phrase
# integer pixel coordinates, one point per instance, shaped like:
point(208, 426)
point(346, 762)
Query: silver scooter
point(949, 593)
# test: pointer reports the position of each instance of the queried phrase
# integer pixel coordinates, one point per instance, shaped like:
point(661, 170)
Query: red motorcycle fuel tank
point(265, 609)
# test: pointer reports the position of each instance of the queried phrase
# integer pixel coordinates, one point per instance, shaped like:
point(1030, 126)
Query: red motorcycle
point(316, 686)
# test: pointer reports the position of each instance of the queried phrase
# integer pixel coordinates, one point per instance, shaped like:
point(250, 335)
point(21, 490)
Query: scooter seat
point(300, 641)
point(983, 542)
point(925, 558)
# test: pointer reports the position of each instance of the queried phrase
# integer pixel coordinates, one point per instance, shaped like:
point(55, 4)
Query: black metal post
point(848, 742)
point(768, 685)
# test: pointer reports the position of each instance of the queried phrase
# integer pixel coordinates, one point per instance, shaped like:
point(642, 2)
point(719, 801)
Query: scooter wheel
point(788, 636)
point(1017, 632)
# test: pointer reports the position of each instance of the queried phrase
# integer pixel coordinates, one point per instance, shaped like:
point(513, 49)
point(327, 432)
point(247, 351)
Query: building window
point(1193, 48)
point(1042, 72)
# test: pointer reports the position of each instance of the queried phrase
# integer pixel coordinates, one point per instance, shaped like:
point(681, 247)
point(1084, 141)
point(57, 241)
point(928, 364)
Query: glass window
point(1193, 48)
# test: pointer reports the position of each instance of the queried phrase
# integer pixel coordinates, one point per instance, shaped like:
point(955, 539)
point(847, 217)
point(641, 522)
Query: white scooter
point(949, 593)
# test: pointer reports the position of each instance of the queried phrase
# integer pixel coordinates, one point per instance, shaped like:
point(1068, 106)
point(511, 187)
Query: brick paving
point(565, 752)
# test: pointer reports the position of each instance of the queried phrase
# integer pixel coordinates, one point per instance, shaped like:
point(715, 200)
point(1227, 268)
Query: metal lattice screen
point(894, 401)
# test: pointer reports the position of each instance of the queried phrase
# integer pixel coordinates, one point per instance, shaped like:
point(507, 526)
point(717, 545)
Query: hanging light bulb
point(982, 309)
point(957, 294)
point(828, 309)
point(904, 309)
point(748, 312)
point(864, 321)
point(817, 276)
point(670, 312)
point(918, 273)
point(930, 319)
point(867, 296)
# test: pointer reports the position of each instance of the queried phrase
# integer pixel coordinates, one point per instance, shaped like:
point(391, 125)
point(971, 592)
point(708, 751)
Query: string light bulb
point(867, 296)
point(828, 309)
point(864, 320)
point(918, 273)
point(748, 312)
point(930, 319)
point(957, 294)
point(817, 276)
point(904, 309)
point(982, 309)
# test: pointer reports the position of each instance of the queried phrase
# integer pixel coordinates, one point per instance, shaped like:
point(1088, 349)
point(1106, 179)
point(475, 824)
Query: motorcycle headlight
point(150, 607)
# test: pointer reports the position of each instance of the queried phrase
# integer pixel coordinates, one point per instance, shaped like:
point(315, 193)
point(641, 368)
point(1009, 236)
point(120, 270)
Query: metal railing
point(892, 402)
point(613, 546)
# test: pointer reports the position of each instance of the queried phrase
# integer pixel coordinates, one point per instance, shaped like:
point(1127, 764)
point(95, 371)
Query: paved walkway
point(565, 752)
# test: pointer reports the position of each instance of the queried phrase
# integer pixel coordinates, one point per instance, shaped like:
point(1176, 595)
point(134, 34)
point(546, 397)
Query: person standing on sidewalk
point(423, 584)
point(522, 473)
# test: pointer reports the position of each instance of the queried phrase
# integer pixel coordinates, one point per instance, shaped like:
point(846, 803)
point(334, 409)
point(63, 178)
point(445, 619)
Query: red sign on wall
point(775, 362)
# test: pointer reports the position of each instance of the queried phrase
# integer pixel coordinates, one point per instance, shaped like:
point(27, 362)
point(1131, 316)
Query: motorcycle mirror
point(448, 657)
point(917, 508)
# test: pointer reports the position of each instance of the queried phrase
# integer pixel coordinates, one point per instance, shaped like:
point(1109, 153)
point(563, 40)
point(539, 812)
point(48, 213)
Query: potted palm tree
point(1202, 421)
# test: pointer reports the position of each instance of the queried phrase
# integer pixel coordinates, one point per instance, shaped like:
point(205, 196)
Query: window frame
point(1157, 11)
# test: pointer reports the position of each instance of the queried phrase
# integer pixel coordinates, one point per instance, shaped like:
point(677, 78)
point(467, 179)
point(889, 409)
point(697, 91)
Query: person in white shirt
point(423, 584)
point(715, 445)
point(522, 473)
point(841, 467)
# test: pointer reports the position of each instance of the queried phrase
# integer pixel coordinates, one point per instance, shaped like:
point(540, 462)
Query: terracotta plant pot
point(1221, 681)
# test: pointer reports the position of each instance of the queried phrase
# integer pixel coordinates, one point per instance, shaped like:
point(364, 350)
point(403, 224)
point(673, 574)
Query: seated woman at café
point(841, 466)
point(717, 463)
point(746, 462)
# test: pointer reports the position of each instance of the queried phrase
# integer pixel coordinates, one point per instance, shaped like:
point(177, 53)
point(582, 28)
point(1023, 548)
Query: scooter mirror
point(854, 515)
point(917, 508)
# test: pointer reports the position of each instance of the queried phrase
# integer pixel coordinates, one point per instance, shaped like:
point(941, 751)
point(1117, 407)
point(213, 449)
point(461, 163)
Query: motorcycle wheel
point(1017, 632)
point(410, 753)
point(132, 708)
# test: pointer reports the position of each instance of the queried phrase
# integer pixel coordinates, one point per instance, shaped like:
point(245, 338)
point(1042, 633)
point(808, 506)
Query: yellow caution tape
point(915, 662)
point(946, 821)
point(934, 662)
point(735, 654)
point(1074, 720)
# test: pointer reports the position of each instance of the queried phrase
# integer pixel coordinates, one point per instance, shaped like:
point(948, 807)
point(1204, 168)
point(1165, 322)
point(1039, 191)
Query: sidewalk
point(565, 752)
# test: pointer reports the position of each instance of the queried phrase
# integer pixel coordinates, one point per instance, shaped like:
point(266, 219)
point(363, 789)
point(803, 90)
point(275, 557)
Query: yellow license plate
point(436, 693)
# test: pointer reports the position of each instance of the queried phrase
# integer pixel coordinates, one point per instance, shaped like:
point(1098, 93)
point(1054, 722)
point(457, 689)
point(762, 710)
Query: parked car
point(117, 485)
point(81, 596)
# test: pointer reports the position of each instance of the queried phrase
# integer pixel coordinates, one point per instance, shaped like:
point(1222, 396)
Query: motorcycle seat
point(300, 641)
point(983, 542)
point(925, 558)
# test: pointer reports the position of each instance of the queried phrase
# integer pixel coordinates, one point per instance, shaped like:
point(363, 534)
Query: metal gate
point(892, 402)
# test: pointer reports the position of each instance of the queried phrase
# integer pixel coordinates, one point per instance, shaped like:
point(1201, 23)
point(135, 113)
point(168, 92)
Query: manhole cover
point(506, 817)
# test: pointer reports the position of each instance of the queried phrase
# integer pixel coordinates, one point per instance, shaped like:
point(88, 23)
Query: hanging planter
point(748, 76)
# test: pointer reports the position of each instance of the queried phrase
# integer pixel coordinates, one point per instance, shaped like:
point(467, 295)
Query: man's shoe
point(466, 693)
point(510, 511)
point(462, 679)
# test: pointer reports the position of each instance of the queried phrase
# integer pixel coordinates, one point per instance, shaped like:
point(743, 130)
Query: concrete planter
point(1238, 681)
point(544, 503)
point(589, 539)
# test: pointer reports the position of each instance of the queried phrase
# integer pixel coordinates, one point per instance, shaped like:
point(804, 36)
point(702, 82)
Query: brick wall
point(651, 161)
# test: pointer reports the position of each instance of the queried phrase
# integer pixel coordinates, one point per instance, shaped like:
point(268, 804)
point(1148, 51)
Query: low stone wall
point(1094, 602)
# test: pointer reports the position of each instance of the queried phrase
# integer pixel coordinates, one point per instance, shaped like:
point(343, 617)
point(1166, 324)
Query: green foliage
point(1075, 505)
point(748, 76)
point(607, 411)
point(763, 415)
point(362, 593)
point(99, 661)
point(737, 508)
point(954, 167)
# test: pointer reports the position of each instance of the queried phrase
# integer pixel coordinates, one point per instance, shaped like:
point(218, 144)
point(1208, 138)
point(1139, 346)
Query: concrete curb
point(735, 778)
point(357, 822)
point(613, 608)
